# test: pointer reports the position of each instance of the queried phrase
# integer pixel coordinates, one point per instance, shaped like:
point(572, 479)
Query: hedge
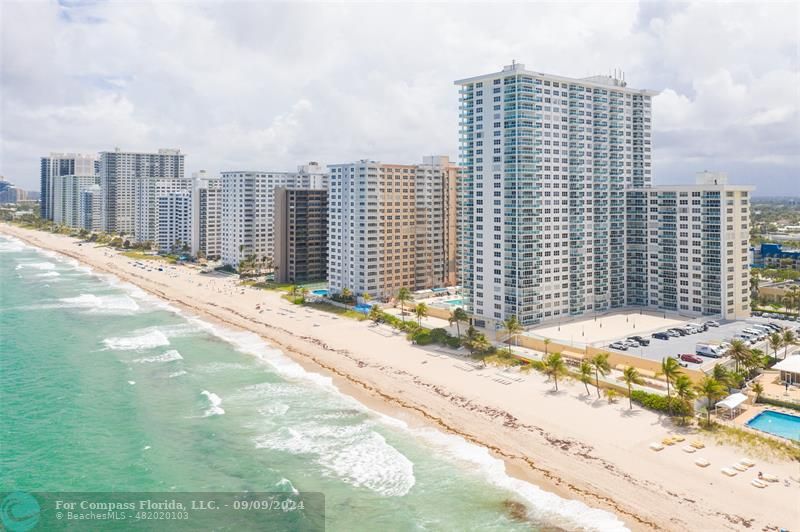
point(661, 403)
point(778, 402)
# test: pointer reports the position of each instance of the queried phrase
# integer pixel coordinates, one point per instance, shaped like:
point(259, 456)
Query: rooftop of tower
point(604, 81)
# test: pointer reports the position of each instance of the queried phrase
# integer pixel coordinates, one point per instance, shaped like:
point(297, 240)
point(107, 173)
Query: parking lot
point(658, 349)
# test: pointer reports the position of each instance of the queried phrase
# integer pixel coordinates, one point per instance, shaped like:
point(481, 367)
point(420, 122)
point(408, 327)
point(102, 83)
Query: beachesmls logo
point(19, 512)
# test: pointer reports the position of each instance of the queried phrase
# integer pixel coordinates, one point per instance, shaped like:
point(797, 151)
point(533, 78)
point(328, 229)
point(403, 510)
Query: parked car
point(711, 323)
point(707, 350)
point(630, 343)
point(694, 359)
point(661, 335)
point(619, 345)
point(679, 331)
point(757, 313)
point(640, 340)
point(674, 333)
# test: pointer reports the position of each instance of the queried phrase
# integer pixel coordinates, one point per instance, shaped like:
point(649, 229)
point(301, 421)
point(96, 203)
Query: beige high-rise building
point(687, 247)
point(391, 226)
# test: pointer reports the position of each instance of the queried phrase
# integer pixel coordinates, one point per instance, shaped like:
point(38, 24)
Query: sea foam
point(355, 453)
point(102, 304)
point(215, 409)
point(169, 356)
point(147, 340)
point(36, 266)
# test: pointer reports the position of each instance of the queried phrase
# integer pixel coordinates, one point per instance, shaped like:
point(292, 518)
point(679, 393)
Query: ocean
point(106, 388)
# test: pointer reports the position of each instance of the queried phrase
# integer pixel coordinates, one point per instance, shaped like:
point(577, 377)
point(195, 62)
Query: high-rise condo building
point(146, 207)
point(301, 235)
point(119, 174)
point(91, 209)
point(57, 164)
point(65, 191)
point(206, 216)
point(545, 163)
point(389, 226)
point(248, 210)
point(174, 222)
point(688, 247)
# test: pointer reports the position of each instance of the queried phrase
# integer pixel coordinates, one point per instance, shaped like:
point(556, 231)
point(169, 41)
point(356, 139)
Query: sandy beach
point(575, 445)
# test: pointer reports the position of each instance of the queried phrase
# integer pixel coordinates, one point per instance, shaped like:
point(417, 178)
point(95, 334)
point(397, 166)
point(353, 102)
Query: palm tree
point(586, 374)
point(754, 282)
point(631, 376)
point(303, 291)
point(684, 391)
point(554, 367)
point(375, 313)
point(788, 339)
point(346, 294)
point(421, 310)
point(511, 326)
point(755, 360)
point(775, 342)
point(739, 352)
point(458, 315)
point(477, 343)
point(365, 297)
point(758, 389)
point(670, 369)
point(293, 290)
point(546, 345)
point(403, 296)
point(722, 375)
point(712, 390)
point(600, 364)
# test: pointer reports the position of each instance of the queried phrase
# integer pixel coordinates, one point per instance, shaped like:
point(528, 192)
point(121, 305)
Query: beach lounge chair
point(740, 467)
point(747, 462)
point(728, 471)
point(689, 449)
point(702, 462)
point(656, 446)
point(697, 444)
point(757, 483)
point(769, 478)
point(679, 438)
point(668, 441)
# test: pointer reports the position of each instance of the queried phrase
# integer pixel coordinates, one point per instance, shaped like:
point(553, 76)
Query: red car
point(691, 358)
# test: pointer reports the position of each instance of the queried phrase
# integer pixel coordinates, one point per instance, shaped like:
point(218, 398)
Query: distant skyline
point(270, 86)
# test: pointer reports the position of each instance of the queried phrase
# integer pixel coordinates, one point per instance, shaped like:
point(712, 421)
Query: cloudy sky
point(258, 85)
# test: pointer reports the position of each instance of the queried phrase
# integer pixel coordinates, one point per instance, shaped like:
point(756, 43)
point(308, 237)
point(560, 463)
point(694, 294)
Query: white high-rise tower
point(545, 163)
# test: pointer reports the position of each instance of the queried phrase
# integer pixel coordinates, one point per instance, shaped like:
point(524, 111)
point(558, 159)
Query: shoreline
point(565, 465)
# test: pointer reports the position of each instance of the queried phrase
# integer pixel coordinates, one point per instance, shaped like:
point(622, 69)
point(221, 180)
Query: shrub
point(661, 403)
point(453, 342)
point(422, 337)
point(778, 402)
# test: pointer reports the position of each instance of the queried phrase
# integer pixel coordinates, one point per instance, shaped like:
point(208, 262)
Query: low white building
point(248, 209)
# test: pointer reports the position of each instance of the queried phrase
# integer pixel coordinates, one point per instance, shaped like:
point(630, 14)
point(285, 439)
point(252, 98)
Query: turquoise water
point(320, 292)
point(777, 423)
point(106, 388)
point(455, 302)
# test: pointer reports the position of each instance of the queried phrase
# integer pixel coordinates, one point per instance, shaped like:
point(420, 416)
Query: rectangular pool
point(777, 423)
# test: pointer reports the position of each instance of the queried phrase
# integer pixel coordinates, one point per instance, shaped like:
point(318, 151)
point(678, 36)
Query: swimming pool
point(363, 307)
point(321, 292)
point(777, 423)
point(455, 302)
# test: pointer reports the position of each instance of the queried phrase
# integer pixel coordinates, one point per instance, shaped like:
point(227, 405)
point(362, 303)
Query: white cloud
point(271, 86)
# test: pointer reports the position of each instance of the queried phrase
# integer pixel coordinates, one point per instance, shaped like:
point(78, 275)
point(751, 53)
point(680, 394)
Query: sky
point(268, 86)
